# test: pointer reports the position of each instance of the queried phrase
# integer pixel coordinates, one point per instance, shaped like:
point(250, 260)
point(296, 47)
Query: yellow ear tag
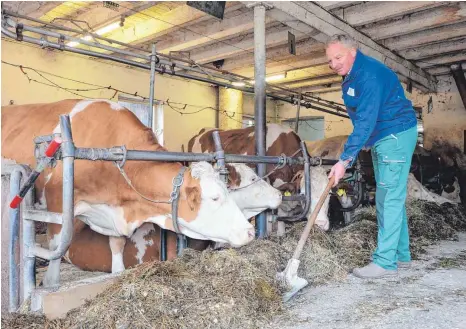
point(341, 192)
point(287, 193)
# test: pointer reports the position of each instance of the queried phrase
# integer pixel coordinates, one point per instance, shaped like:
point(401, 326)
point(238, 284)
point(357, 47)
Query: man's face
point(340, 58)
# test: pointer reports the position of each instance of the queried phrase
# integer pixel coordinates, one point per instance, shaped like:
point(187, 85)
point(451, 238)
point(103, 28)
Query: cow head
point(217, 217)
point(251, 193)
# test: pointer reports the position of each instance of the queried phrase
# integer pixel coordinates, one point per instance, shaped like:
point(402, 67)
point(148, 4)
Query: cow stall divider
point(48, 152)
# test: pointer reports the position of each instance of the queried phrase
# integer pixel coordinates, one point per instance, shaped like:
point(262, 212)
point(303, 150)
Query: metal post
point(259, 101)
point(163, 244)
point(458, 75)
point(13, 247)
point(68, 154)
point(296, 125)
point(152, 81)
point(29, 241)
point(217, 106)
point(181, 244)
point(220, 157)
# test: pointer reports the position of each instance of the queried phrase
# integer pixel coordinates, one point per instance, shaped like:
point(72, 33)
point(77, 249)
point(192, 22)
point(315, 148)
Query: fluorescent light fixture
point(272, 78)
point(276, 77)
point(101, 31)
point(238, 84)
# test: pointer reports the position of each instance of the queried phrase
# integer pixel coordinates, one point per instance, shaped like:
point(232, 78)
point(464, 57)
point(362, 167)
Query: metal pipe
point(66, 233)
point(307, 188)
point(217, 106)
point(117, 154)
point(298, 107)
point(458, 75)
point(181, 244)
point(220, 155)
point(163, 244)
point(13, 245)
point(45, 43)
point(259, 102)
point(152, 82)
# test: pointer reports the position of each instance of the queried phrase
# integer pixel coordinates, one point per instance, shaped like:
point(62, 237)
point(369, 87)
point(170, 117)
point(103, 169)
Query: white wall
point(178, 129)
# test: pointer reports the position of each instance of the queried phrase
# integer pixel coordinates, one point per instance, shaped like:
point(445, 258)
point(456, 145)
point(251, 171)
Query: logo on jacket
point(350, 92)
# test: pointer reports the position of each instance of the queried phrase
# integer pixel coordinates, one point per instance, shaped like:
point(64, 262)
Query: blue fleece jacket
point(376, 104)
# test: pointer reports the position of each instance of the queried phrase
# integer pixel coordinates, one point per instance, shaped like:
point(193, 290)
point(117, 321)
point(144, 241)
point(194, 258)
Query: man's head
point(341, 53)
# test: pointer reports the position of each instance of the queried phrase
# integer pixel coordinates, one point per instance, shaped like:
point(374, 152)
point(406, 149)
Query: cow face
point(251, 193)
point(218, 218)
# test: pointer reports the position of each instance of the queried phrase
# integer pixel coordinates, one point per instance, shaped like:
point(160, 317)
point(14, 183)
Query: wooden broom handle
point(312, 219)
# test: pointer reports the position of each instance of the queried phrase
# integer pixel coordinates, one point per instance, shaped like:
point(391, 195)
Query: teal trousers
point(391, 157)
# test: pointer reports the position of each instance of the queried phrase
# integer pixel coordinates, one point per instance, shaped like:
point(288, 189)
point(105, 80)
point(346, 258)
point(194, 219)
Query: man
point(384, 121)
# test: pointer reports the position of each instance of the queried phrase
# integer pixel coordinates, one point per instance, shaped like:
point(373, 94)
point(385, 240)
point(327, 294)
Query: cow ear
point(234, 179)
point(193, 196)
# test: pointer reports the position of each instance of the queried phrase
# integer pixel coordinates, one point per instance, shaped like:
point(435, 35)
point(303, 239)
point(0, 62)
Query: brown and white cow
point(103, 199)
point(279, 140)
point(91, 251)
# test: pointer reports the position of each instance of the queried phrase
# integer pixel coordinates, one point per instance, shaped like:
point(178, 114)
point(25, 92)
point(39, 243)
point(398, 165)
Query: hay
point(236, 288)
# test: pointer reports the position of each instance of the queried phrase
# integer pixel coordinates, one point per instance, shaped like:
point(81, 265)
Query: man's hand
point(338, 170)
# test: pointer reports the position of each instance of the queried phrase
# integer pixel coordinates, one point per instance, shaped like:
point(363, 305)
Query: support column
point(259, 101)
point(231, 101)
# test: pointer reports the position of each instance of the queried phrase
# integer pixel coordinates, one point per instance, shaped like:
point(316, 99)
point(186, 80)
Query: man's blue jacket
point(376, 104)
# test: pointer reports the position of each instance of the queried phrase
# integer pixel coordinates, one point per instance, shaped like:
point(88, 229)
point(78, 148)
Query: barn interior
point(198, 64)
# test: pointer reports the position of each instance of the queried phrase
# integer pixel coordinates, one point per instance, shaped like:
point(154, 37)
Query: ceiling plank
point(275, 36)
point(320, 19)
point(443, 60)
point(420, 38)
point(313, 82)
point(34, 9)
point(278, 53)
point(443, 70)
point(373, 11)
point(434, 49)
point(452, 13)
point(207, 32)
point(330, 5)
point(274, 67)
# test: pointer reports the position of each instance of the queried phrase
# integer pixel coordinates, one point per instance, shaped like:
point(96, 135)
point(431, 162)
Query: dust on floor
point(429, 295)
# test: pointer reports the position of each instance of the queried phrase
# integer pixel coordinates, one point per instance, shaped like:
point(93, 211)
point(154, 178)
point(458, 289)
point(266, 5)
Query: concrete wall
point(178, 129)
point(270, 105)
point(447, 119)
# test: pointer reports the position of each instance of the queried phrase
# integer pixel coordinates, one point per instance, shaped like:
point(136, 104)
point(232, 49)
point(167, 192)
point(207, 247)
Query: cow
point(279, 140)
point(103, 199)
point(90, 250)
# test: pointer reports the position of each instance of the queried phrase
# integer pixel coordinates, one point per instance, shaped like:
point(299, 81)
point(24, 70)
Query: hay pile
point(236, 288)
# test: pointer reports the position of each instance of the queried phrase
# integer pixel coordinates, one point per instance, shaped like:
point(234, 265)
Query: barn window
point(248, 121)
point(142, 109)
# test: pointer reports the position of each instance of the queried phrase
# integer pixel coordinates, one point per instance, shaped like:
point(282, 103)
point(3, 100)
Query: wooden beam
point(313, 82)
point(443, 70)
point(442, 60)
point(434, 49)
point(207, 33)
point(277, 35)
point(279, 53)
point(425, 37)
point(274, 67)
point(316, 17)
point(452, 13)
point(231, 9)
point(330, 5)
point(34, 9)
point(373, 11)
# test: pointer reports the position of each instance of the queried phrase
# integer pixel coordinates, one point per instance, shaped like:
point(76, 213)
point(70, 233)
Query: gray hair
point(344, 39)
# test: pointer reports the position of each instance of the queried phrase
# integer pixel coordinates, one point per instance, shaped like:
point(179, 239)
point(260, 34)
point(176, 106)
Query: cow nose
point(251, 233)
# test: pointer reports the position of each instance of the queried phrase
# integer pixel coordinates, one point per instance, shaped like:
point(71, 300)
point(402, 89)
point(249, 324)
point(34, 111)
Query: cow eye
point(215, 198)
